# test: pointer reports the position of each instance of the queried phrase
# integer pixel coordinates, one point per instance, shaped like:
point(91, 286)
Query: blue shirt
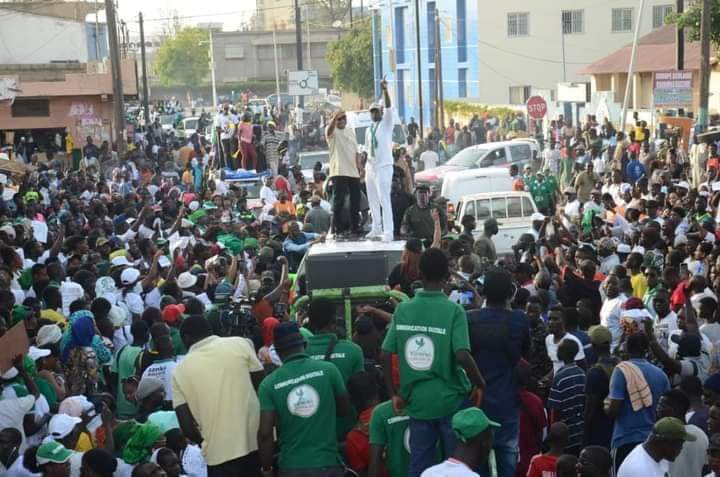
point(634, 171)
point(633, 427)
point(567, 398)
point(498, 338)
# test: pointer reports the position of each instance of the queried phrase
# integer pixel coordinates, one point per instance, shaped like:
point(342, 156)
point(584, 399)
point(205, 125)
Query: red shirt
point(713, 162)
point(282, 185)
point(532, 422)
point(357, 444)
point(677, 299)
point(542, 466)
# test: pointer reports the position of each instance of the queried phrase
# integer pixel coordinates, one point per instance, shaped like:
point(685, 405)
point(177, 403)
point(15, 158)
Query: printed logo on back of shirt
point(419, 352)
point(303, 401)
point(406, 439)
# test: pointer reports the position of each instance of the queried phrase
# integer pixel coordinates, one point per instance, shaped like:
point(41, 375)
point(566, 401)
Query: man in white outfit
point(379, 169)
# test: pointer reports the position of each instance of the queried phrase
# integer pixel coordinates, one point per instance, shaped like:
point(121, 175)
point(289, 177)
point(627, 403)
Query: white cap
point(186, 280)
point(623, 248)
point(61, 425)
point(120, 261)
point(194, 205)
point(129, 276)
point(537, 217)
point(638, 249)
point(117, 316)
point(683, 185)
point(48, 334)
point(36, 353)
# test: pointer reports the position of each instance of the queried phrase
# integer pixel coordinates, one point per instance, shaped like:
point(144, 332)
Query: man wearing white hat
point(379, 169)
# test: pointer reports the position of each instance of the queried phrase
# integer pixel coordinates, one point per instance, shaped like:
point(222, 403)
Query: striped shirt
point(567, 398)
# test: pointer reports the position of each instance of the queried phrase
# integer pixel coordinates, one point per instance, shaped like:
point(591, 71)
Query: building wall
point(535, 59)
point(82, 115)
point(249, 56)
point(396, 37)
point(279, 13)
point(33, 39)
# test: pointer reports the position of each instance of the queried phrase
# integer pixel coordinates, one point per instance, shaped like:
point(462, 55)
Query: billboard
point(673, 89)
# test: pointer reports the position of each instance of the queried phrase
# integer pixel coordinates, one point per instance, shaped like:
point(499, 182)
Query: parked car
point(308, 159)
point(512, 210)
point(167, 122)
point(256, 105)
point(494, 154)
point(473, 181)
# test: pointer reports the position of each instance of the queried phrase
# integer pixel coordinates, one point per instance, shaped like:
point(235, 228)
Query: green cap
point(19, 313)
point(251, 243)
point(470, 422)
point(53, 452)
point(672, 429)
point(600, 335)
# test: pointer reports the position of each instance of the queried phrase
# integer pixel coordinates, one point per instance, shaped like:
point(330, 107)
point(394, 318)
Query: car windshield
point(191, 124)
point(252, 189)
point(468, 157)
point(307, 161)
point(167, 119)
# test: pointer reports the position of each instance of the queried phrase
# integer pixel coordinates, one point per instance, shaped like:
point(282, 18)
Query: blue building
point(395, 52)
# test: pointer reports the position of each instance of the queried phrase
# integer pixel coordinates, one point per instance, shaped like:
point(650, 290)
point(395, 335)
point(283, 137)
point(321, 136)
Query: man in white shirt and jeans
point(379, 170)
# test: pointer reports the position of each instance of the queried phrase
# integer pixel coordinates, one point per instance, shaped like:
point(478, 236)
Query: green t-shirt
point(178, 345)
point(393, 433)
point(124, 366)
point(425, 333)
point(348, 357)
point(47, 390)
point(302, 394)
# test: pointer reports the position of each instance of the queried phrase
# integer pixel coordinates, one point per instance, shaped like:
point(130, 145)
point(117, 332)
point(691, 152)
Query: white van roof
point(483, 171)
point(489, 195)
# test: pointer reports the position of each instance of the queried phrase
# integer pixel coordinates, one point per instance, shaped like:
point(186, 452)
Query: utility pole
point(562, 44)
point(419, 65)
point(351, 18)
point(277, 69)
point(439, 72)
point(299, 46)
point(118, 100)
point(212, 68)
point(307, 31)
point(679, 38)
point(704, 65)
point(146, 99)
point(631, 69)
point(97, 32)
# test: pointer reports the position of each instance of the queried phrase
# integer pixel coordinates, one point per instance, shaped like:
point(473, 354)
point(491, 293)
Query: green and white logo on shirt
point(419, 352)
point(406, 439)
point(303, 401)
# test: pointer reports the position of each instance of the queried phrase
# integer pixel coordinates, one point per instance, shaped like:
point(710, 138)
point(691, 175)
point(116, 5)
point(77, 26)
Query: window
point(573, 21)
point(461, 30)
point(30, 108)
point(430, 33)
point(400, 34)
point(520, 153)
point(400, 76)
point(462, 83)
point(498, 208)
point(494, 158)
point(470, 210)
point(483, 209)
point(514, 207)
point(518, 24)
point(528, 208)
point(659, 14)
point(622, 20)
point(519, 94)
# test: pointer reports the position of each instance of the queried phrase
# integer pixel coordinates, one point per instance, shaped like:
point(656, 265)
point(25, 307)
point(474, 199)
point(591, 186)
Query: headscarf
point(82, 331)
point(139, 446)
point(268, 325)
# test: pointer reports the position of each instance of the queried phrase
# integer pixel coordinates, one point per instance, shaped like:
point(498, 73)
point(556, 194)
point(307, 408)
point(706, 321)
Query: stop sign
point(536, 107)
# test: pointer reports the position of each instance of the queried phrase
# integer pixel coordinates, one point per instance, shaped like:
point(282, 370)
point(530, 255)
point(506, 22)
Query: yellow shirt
point(639, 285)
point(343, 147)
point(54, 316)
point(214, 381)
point(69, 143)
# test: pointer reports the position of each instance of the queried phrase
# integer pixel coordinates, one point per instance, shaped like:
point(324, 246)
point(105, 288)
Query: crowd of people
point(154, 310)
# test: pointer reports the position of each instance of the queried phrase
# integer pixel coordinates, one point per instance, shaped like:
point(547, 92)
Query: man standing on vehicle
point(344, 173)
point(379, 170)
point(271, 140)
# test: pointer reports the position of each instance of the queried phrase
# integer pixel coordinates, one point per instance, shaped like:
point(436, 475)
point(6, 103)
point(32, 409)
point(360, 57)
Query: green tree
point(183, 60)
point(690, 21)
point(351, 62)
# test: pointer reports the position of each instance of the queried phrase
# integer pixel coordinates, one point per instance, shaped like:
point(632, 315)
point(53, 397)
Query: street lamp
point(212, 66)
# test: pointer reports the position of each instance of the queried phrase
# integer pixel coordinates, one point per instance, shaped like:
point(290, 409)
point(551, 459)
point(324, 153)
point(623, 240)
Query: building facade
point(530, 45)
point(395, 49)
point(242, 56)
point(275, 13)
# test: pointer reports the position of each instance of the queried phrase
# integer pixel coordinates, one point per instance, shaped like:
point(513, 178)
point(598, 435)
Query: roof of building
point(655, 52)
point(68, 10)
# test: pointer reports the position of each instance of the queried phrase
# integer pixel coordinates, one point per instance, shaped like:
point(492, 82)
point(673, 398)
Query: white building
point(521, 42)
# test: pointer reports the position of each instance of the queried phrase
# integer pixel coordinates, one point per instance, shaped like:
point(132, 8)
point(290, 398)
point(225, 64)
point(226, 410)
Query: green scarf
point(373, 138)
point(139, 446)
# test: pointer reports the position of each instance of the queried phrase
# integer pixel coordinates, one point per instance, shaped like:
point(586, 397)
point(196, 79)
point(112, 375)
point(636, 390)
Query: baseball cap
point(683, 185)
point(61, 425)
point(375, 106)
point(52, 452)
point(537, 217)
point(36, 353)
point(471, 422)
point(147, 386)
point(672, 428)
point(119, 261)
point(129, 276)
point(48, 334)
point(186, 280)
point(172, 313)
point(287, 335)
point(623, 248)
point(101, 241)
point(600, 335)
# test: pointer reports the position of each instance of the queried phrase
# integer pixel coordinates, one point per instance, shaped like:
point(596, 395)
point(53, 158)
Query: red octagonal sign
point(536, 107)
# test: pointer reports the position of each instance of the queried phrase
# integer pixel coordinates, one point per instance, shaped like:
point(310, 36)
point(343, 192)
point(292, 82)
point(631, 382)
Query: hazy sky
point(231, 14)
